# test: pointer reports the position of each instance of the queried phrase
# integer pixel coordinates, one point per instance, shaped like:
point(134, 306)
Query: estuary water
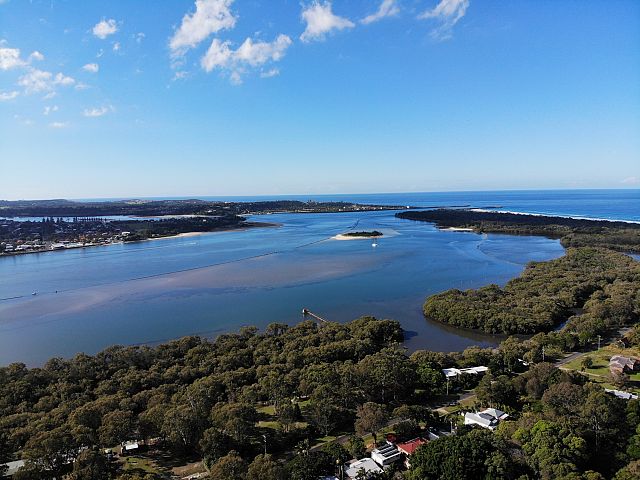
point(149, 292)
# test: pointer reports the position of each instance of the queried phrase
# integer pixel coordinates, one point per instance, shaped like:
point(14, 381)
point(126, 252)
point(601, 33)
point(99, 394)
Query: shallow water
point(158, 290)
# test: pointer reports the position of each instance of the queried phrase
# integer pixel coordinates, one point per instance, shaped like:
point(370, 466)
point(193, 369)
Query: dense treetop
point(600, 284)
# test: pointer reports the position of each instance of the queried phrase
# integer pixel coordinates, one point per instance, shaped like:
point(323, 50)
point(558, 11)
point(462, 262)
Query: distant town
point(40, 226)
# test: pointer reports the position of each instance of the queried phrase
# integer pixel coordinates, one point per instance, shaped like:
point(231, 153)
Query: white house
point(386, 455)
point(621, 394)
point(13, 467)
point(454, 372)
point(366, 464)
point(488, 418)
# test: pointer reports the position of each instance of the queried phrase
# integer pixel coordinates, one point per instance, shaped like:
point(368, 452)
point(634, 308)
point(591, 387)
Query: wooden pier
point(307, 313)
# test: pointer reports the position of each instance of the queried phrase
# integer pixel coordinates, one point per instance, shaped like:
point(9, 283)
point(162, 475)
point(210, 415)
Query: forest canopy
point(598, 284)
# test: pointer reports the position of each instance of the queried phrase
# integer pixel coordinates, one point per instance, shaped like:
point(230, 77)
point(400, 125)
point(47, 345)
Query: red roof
point(410, 446)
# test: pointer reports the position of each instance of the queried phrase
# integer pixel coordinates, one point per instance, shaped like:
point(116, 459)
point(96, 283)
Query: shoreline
point(245, 226)
point(553, 215)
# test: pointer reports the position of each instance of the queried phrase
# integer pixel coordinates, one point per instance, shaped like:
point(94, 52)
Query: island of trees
point(372, 234)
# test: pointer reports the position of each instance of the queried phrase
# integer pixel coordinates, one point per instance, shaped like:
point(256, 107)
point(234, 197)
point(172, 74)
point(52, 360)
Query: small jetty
point(307, 313)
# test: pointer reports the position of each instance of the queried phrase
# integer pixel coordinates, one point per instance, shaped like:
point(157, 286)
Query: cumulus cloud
point(6, 96)
point(91, 67)
point(97, 112)
point(59, 124)
point(35, 81)
point(447, 13)
point(258, 53)
point(116, 46)
point(210, 17)
point(104, 28)
point(10, 58)
point(36, 56)
point(321, 20)
point(388, 8)
point(220, 55)
point(61, 79)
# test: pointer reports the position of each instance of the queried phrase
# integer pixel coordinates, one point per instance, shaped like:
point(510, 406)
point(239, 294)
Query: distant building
point(386, 455)
point(619, 364)
point(455, 372)
point(488, 418)
point(130, 447)
point(366, 464)
point(408, 449)
point(13, 467)
point(621, 394)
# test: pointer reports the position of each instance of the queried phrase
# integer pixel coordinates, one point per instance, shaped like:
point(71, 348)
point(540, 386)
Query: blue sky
point(223, 97)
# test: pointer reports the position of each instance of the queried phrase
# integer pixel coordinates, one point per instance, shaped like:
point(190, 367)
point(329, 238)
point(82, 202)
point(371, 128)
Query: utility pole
point(543, 353)
point(447, 386)
point(599, 338)
point(265, 444)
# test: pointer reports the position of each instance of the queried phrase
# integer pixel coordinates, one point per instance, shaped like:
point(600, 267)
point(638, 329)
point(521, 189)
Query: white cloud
point(138, 37)
point(97, 112)
point(249, 54)
point(116, 46)
point(63, 80)
point(36, 55)
point(210, 17)
point(321, 20)
point(388, 8)
point(631, 181)
point(262, 52)
point(81, 86)
point(218, 55)
point(10, 58)
point(47, 110)
point(274, 72)
point(59, 124)
point(49, 96)
point(35, 81)
point(104, 28)
point(5, 96)
point(447, 13)
point(91, 67)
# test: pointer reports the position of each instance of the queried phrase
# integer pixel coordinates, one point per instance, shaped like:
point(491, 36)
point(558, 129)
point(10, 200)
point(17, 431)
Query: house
point(13, 467)
point(622, 395)
point(130, 447)
point(488, 418)
point(619, 364)
point(366, 464)
point(455, 372)
point(386, 454)
point(408, 448)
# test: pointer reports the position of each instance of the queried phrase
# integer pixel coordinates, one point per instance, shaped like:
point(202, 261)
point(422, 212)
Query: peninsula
point(572, 232)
